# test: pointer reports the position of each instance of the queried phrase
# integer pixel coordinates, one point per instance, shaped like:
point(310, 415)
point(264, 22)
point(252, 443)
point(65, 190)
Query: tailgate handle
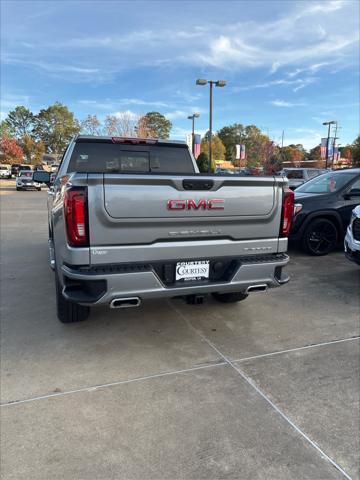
point(197, 184)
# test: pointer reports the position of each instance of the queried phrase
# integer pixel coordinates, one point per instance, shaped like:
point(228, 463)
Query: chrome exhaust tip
point(257, 288)
point(128, 302)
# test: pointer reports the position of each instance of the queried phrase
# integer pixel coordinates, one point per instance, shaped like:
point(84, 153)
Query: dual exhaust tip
point(257, 288)
point(131, 302)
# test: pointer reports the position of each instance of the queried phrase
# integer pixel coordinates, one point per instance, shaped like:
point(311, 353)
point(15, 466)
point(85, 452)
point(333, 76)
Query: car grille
point(356, 229)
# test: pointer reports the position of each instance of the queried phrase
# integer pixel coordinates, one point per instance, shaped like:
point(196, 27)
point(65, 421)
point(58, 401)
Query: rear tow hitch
point(195, 299)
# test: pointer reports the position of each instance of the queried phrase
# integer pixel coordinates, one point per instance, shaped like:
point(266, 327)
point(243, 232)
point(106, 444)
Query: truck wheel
point(231, 297)
point(69, 312)
point(320, 237)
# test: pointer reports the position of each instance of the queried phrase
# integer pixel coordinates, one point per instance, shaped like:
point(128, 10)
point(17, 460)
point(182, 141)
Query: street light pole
point(210, 128)
point(328, 140)
point(217, 83)
point(335, 138)
point(192, 117)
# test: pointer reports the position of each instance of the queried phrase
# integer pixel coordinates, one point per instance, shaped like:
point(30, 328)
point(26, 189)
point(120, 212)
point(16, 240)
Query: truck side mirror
point(41, 176)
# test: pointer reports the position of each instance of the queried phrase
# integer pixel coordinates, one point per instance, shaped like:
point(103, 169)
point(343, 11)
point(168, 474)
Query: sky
point(288, 65)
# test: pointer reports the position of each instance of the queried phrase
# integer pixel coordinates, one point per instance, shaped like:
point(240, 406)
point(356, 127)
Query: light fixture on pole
point(332, 122)
point(192, 117)
point(217, 83)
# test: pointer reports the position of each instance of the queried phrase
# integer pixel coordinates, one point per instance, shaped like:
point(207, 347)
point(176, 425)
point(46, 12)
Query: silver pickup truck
point(131, 219)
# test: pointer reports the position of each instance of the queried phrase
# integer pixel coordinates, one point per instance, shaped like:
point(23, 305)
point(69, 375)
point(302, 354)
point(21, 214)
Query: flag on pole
point(238, 150)
point(242, 152)
point(197, 145)
point(323, 148)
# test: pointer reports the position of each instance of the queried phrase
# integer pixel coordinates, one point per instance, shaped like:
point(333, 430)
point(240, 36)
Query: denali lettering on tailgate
point(190, 204)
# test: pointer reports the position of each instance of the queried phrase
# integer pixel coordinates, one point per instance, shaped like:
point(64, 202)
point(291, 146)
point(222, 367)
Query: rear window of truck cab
point(107, 157)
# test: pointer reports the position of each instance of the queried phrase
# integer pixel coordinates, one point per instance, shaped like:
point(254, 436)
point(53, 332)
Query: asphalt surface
point(264, 389)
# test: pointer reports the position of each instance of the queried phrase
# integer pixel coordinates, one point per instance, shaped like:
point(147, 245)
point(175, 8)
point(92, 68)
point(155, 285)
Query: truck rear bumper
point(101, 285)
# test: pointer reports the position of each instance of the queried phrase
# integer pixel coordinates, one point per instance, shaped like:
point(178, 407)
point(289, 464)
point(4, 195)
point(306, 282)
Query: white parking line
point(112, 384)
point(295, 349)
point(262, 394)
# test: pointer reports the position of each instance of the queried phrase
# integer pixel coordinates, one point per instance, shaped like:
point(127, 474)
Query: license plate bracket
point(192, 270)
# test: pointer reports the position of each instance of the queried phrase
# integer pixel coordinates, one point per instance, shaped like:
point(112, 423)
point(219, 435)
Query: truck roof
point(108, 139)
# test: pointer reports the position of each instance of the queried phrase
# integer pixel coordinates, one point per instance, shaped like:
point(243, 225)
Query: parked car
point(224, 171)
point(298, 176)
point(5, 171)
point(352, 238)
point(323, 208)
point(16, 167)
point(25, 181)
point(131, 219)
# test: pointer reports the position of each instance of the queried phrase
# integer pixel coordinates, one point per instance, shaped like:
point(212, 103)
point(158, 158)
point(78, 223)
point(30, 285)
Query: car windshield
point(25, 174)
point(326, 183)
point(3, 168)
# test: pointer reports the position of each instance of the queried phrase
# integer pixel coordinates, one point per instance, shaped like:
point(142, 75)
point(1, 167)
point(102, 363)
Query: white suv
point(24, 181)
point(352, 238)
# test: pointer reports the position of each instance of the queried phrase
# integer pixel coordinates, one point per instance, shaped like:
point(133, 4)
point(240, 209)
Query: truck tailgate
point(133, 210)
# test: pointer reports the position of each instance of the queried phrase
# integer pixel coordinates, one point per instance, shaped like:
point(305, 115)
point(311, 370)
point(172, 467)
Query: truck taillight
point(287, 212)
point(75, 211)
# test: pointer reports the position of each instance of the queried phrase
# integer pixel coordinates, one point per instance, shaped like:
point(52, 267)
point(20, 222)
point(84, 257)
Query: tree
point(203, 162)
point(33, 150)
point(10, 151)
point(20, 121)
point(217, 147)
point(55, 126)
point(121, 124)
point(356, 152)
point(5, 130)
point(231, 136)
point(143, 129)
point(293, 154)
point(91, 125)
point(273, 164)
point(158, 125)
point(315, 156)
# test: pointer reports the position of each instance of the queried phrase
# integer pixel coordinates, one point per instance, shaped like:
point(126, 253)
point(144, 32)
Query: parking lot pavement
point(171, 390)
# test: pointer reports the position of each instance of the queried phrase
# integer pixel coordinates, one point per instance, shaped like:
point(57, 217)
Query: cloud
point(283, 103)
point(307, 37)
point(296, 84)
point(139, 101)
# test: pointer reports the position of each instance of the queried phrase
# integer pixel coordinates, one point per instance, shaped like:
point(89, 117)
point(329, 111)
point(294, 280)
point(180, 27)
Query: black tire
point(230, 297)
point(320, 237)
point(39, 189)
point(69, 312)
point(18, 189)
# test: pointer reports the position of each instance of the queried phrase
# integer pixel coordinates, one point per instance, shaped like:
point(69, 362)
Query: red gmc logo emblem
point(190, 204)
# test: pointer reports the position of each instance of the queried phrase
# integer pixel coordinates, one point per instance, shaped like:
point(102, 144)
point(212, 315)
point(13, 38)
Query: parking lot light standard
point(217, 83)
point(332, 122)
point(192, 117)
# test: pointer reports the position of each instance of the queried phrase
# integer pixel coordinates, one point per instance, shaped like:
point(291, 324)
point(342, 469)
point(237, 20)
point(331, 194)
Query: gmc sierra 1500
point(131, 219)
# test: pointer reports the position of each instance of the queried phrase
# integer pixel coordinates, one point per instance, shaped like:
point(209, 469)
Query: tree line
point(261, 151)
point(29, 135)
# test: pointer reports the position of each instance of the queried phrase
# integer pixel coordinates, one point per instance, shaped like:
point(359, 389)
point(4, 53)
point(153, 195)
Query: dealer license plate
point(196, 270)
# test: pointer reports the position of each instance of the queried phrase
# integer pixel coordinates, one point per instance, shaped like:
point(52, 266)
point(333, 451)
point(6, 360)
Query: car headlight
point(297, 208)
